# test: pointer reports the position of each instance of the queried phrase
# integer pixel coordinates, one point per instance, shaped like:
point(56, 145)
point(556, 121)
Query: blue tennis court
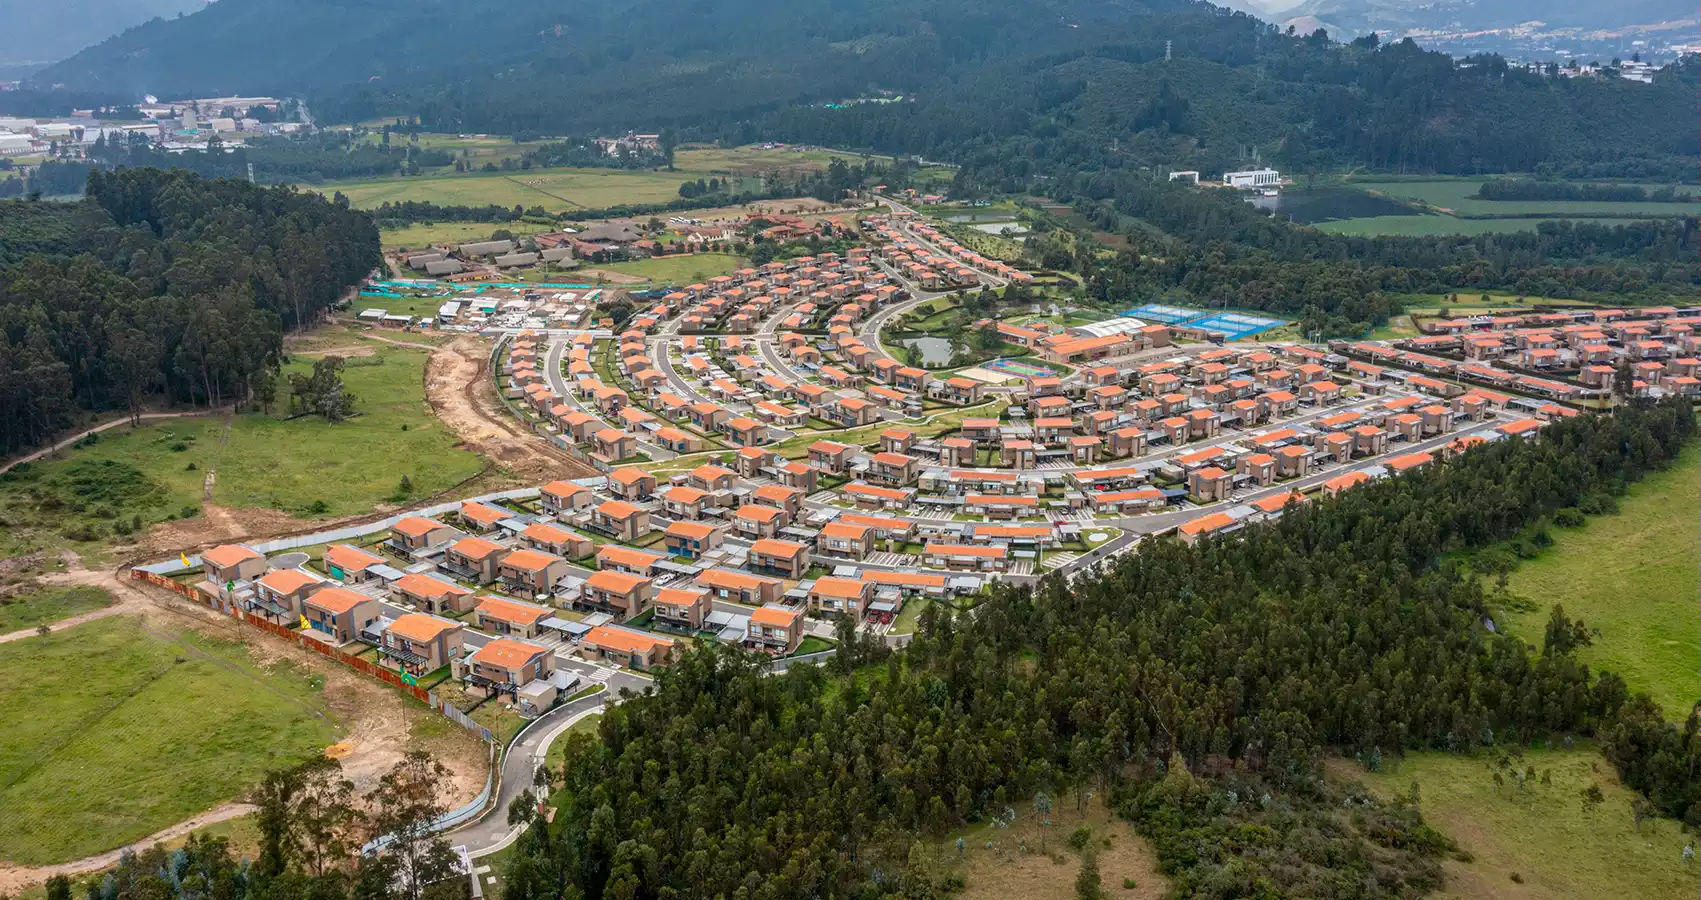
point(1165, 314)
point(1235, 326)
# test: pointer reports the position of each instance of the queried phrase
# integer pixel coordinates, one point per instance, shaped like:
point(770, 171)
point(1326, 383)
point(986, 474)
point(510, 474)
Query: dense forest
point(953, 80)
point(161, 286)
point(1197, 689)
point(1531, 189)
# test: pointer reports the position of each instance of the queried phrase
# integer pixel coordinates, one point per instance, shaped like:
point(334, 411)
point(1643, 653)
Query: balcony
point(461, 570)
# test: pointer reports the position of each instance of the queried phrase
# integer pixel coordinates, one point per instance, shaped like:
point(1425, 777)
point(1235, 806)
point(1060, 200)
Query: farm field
point(1633, 576)
point(556, 190)
point(1456, 195)
point(1430, 225)
point(420, 235)
point(46, 604)
point(304, 466)
point(1541, 834)
point(106, 757)
point(686, 269)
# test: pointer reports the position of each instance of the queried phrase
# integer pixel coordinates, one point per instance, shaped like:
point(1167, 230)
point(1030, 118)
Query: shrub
point(1079, 837)
point(1129, 884)
point(1569, 517)
point(318, 508)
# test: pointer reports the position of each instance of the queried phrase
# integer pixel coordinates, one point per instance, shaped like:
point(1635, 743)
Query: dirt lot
point(462, 394)
point(380, 724)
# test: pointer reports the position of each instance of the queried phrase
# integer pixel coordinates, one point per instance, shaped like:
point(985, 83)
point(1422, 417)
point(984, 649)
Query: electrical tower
point(1166, 50)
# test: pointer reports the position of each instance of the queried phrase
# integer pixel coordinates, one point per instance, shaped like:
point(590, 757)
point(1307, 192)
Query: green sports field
point(1456, 195)
point(1634, 577)
point(99, 751)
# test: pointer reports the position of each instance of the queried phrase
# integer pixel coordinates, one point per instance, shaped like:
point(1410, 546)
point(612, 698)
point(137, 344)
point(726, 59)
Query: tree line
point(161, 286)
point(1196, 688)
point(1534, 189)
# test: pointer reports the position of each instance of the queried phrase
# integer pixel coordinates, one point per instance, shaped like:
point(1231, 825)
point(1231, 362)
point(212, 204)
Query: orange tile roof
point(552, 534)
point(1207, 524)
point(628, 476)
point(965, 550)
point(426, 586)
point(288, 581)
point(776, 616)
point(508, 654)
point(416, 526)
point(683, 494)
point(530, 560)
point(487, 515)
point(229, 555)
point(563, 488)
point(421, 628)
point(904, 579)
point(510, 611)
point(845, 530)
point(350, 558)
point(337, 600)
point(839, 587)
point(476, 548)
point(1272, 504)
point(615, 582)
point(679, 597)
point(782, 549)
point(690, 530)
point(626, 556)
point(1342, 482)
point(758, 513)
point(626, 640)
point(617, 509)
point(726, 579)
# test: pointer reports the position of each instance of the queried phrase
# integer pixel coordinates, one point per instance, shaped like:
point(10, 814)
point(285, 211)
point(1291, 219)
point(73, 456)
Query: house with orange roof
point(1461, 444)
point(620, 520)
point(1340, 483)
point(788, 501)
point(737, 587)
point(1205, 526)
point(417, 643)
point(500, 615)
point(350, 564)
point(339, 613)
point(559, 497)
point(613, 444)
point(232, 562)
point(868, 496)
point(965, 557)
point(631, 484)
point(628, 560)
point(755, 521)
point(519, 669)
point(278, 594)
point(786, 559)
point(681, 610)
point(750, 461)
point(845, 540)
point(1260, 468)
point(830, 456)
point(1523, 428)
point(1294, 460)
point(799, 476)
point(473, 559)
point(774, 628)
point(712, 478)
point(1409, 462)
point(620, 594)
point(432, 594)
point(557, 540)
point(683, 502)
point(1274, 504)
point(1127, 501)
point(693, 539)
point(531, 571)
point(841, 596)
point(894, 469)
point(481, 518)
point(415, 534)
point(1210, 484)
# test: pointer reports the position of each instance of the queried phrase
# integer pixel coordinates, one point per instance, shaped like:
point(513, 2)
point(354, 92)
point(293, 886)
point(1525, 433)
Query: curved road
point(520, 762)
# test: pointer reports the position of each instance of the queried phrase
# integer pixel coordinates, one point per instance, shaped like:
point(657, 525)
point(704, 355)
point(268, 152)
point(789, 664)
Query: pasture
point(683, 269)
point(1455, 195)
point(45, 604)
point(1539, 842)
point(1632, 575)
point(99, 753)
point(420, 235)
point(555, 190)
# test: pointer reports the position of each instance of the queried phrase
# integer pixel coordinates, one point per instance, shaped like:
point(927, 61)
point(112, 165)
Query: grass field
point(98, 752)
point(157, 471)
point(556, 190)
point(46, 604)
point(1456, 195)
point(679, 269)
point(1005, 870)
point(1558, 849)
point(421, 236)
point(1633, 576)
point(1425, 226)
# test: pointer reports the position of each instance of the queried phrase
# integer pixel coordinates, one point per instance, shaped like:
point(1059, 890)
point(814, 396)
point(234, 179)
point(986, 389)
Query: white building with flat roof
point(1252, 179)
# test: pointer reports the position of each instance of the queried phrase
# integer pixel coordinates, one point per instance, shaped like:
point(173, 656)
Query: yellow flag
point(304, 625)
point(184, 559)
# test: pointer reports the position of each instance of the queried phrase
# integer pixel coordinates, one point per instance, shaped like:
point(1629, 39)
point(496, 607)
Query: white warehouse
point(1252, 178)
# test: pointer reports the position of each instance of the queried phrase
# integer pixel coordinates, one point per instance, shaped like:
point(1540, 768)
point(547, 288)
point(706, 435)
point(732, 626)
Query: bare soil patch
point(459, 387)
point(1015, 865)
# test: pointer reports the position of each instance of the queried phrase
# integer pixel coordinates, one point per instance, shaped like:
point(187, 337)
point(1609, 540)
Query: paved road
point(558, 383)
point(520, 763)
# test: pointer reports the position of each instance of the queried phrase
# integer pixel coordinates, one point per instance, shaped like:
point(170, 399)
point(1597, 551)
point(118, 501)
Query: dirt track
point(462, 394)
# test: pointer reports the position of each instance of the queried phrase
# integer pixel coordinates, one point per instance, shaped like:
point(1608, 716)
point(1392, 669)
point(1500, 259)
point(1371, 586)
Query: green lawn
point(1542, 833)
point(47, 604)
point(1633, 576)
point(1429, 225)
point(812, 644)
point(157, 471)
point(99, 752)
point(1457, 195)
point(689, 269)
point(420, 235)
point(910, 615)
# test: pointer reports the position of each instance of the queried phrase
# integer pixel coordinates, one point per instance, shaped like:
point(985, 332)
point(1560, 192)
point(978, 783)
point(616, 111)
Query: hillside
point(43, 32)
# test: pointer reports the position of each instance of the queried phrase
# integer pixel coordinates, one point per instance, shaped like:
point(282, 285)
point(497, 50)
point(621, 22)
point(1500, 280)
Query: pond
point(935, 351)
point(1012, 229)
point(1329, 205)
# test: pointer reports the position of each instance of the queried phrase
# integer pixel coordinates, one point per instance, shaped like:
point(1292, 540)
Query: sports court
point(1235, 326)
point(1018, 369)
point(1232, 325)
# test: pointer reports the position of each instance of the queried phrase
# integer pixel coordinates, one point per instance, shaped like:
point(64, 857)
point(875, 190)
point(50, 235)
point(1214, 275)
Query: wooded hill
point(974, 78)
point(161, 286)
